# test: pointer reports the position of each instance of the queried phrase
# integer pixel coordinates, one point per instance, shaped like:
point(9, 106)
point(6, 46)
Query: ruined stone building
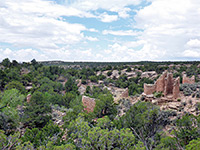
point(166, 84)
point(188, 80)
point(88, 103)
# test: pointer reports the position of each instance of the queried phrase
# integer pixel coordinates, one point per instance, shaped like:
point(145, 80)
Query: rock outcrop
point(188, 80)
point(149, 74)
point(88, 103)
point(28, 98)
point(165, 84)
point(125, 93)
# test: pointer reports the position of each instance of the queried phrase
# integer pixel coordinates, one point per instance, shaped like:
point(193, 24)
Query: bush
point(158, 94)
point(190, 89)
point(109, 73)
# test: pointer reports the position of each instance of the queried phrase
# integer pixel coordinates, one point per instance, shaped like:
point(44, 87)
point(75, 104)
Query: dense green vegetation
point(55, 119)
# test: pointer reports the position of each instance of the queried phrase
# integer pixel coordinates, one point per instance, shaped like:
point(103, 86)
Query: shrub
point(109, 73)
point(158, 94)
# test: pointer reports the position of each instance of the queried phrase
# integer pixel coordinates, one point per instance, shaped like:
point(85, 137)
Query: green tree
point(187, 129)
point(89, 138)
point(68, 97)
point(6, 62)
point(37, 111)
point(70, 86)
point(12, 98)
point(16, 85)
point(105, 106)
point(193, 145)
point(9, 116)
point(109, 73)
point(146, 121)
point(128, 69)
point(49, 132)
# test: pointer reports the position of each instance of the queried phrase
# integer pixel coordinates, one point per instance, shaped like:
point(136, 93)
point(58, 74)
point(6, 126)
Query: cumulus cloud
point(21, 55)
point(191, 53)
point(170, 25)
point(121, 32)
point(168, 30)
point(111, 5)
point(122, 52)
point(193, 43)
point(36, 24)
point(118, 6)
point(104, 17)
point(91, 38)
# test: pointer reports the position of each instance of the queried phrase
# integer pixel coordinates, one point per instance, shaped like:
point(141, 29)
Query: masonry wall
point(188, 80)
point(149, 88)
point(176, 86)
point(166, 84)
point(160, 83)
point(89, 103)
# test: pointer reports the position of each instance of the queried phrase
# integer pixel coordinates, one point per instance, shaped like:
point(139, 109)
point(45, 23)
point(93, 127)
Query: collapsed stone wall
point(166, 84)
point(188, 80)
point(88, 103)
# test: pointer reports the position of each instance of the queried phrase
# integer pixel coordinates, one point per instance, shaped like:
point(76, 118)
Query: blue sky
point(100, 30)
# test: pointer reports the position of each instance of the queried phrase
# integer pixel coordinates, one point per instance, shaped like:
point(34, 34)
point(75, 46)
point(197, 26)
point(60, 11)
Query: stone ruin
point(188, 80)
point(165, 84)
point(88, 103)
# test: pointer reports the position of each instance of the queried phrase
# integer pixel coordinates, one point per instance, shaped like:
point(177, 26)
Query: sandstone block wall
point(169, 81)
point(88, 103)
point(176, 86)
point(166, 84)
point(149, 88)
point(188, 80)
point(160, 83)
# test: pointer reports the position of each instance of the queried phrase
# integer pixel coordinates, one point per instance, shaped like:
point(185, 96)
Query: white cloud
point(103, 4)
point(169, 25)
point(91, 38)
point(169, 30)
point(124, 13)
point(21, 55)
point(194, 43)
point(191, 53)
point(121, 52)
point(118, 6)
point(36, 24)
point(121, 32)
point(104, 17)
point(93, 30)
